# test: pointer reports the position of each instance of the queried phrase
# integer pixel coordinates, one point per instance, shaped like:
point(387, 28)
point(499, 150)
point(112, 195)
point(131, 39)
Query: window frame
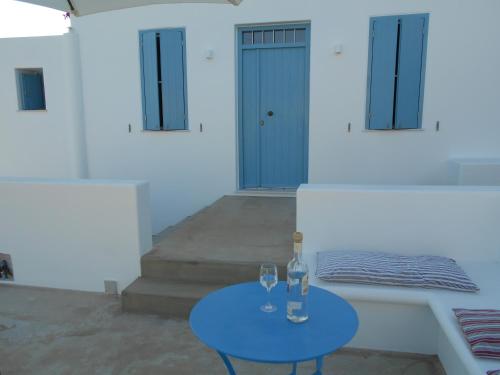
point(426, 17)
point(141, 75)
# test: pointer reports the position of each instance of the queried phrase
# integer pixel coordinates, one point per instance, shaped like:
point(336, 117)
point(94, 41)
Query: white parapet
point(460, 222)
point(475, 171)
point(74, 234)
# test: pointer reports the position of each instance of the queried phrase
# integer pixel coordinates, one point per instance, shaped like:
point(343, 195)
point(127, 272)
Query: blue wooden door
point(273, 101)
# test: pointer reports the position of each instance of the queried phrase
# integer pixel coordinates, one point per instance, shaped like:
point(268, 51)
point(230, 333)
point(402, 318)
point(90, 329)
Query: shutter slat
point(173, 76)
point(151, 104)
point(410, 71)
point(382, 71)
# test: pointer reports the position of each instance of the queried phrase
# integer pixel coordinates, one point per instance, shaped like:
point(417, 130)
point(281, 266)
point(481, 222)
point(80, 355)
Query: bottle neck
point(297, 250)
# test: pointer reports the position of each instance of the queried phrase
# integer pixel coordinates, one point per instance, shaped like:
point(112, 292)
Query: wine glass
point(268, 279)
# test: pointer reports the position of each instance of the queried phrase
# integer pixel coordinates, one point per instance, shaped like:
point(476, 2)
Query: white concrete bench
point(458, 222)
point(452, 348)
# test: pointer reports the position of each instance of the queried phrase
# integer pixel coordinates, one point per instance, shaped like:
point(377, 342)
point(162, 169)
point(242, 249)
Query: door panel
point(273, 106)
point(250, 104)
point(282, 108)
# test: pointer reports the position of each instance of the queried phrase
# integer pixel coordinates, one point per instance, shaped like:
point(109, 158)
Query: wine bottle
point(297, 284)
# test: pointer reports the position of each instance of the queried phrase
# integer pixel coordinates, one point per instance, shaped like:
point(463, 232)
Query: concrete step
point(212, 272)
point(223, 244)
point(169, 299)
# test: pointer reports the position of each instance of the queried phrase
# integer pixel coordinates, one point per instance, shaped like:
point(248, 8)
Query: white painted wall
point(475, 171)
point(74, 234)
point(189, 170)
point(460, 222)
point(42, 143)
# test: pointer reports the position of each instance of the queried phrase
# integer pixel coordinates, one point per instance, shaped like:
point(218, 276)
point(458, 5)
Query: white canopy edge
point(85, 7)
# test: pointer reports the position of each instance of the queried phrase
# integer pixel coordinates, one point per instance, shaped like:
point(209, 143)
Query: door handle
point(261, 122)
point(270, 113)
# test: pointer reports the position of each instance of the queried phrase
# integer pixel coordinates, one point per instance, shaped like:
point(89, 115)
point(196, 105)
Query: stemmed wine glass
point(268, 279)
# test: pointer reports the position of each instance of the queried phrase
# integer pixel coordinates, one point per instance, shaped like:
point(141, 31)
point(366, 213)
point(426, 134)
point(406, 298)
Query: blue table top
point(230, 320)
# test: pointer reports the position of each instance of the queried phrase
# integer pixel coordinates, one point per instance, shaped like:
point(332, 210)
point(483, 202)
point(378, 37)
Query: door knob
point(261, 122)
point(270, 113)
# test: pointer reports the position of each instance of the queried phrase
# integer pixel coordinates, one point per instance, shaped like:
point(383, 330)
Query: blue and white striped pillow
point(373, 267)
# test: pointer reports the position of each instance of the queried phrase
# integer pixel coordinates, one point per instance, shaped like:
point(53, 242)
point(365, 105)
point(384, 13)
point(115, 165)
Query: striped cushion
point(368, 267)
point(482, 330)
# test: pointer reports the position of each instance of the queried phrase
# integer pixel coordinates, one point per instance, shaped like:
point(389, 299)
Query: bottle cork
point(297, 237)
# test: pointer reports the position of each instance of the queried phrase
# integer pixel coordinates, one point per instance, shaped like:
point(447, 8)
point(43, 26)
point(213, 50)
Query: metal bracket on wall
point(201, 127)
point(129, 128)
point(437, 126)
point(349, 127)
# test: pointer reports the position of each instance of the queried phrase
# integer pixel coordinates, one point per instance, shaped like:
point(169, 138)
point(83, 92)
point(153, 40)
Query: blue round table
point(230, 321)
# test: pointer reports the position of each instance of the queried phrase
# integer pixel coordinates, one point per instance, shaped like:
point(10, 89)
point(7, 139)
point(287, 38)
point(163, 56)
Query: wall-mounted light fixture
point(209, 54)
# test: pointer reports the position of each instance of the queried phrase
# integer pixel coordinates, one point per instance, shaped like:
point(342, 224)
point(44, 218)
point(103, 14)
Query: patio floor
point(46, 331)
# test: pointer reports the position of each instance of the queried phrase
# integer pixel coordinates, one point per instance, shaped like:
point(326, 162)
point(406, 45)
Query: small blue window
point(396, 72)
point(163, 69)
point(30, 89)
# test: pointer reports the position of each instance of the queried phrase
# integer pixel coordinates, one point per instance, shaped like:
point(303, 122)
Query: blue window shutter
point(382, 68)
point(411, 60)
point(151, 106)
point(33, 97)
point(174, 79)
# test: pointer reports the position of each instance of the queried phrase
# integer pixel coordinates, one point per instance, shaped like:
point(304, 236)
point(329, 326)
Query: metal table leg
point(230, 369)
point(227, 362)
point(319, 366)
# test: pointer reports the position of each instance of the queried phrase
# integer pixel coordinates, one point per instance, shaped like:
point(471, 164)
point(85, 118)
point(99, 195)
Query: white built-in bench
point(459, 222)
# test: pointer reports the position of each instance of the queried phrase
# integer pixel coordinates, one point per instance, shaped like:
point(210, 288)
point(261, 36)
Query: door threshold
point(285, 192)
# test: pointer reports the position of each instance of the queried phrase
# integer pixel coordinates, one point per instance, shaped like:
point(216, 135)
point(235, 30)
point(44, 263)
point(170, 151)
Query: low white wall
point(475, 171)
point(74, 234)
point(47, 143)
point(456, 221)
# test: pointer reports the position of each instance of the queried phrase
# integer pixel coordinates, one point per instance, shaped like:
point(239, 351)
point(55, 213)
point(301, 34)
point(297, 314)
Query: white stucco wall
point(41, 143)
point(188, 170)
point(74, 234)
point(475, 171)
point(459, 222)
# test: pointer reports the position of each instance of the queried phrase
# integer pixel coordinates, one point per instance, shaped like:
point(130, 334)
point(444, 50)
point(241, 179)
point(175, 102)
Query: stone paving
point(47, 331)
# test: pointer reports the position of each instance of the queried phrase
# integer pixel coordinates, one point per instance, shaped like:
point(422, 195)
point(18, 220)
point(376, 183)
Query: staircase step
point(223, 244)
point(169, 299)
point(215, 272)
